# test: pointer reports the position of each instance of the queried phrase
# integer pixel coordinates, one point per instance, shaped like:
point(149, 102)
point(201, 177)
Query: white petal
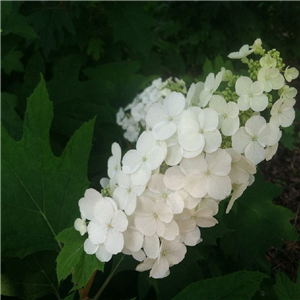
point(218, 103)
point(254, 125)
point(145, 143)
point(103, 211)
point(243, 102)
point(255, 152)
point(241, 139)
point(102, 254)
point(192, 141)
point(119, 221)
point(219, 162)
point(131, 161)
point(259, 103)
point(195, 164)
point(174, 104)
point(163, 130)
point(147, 264)
point(193, 95)
point(174, 155)
point(213, 140)
point(164, 212)
point(196, 184)
point(175, 252)
point(171, 231)
point(114, 242)
point(191, 238)
point(155, 114)
point(89, 247)
point(141, 176)
point(97, 231)
point(155, 157)
point(116, 151)
point(208, 119)
point(160, 268)
point(173, 178)
point(243, 85)
point(133, 240)
point(151, 246)
point(230, 126)
point(146, 224)
point(218, 187)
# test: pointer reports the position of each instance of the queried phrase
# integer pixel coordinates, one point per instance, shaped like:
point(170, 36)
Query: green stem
point(106, 282)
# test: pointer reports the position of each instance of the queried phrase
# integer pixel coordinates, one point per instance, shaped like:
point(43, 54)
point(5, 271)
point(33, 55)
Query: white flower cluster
point(196, 151)
point(132, 117)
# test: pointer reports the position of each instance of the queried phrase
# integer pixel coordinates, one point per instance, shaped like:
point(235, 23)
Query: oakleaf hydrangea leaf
point(73, 259)
point(40, 192)
point(240, 285)
point(33, 276)
point(264, 223)
point(285, 288)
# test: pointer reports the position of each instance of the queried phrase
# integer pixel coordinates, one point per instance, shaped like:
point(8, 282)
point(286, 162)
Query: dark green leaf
point(131, 24)
point(18, 24)
point(40, 191)
point(73, 259)
point(51, 23)
point(35, 67)
point(285, 289)
point(241, 285)
point(12, 62)
point(257, 224)
point(10, 119)
point(8, 286)
point(34, 275)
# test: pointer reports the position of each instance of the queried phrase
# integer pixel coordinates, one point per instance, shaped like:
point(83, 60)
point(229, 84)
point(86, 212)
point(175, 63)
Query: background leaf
point(238, 286)
point(285, 288)
point(34, 275)
point(73, 259)
point(40, 191)
point(131, 24)
point(261, 220)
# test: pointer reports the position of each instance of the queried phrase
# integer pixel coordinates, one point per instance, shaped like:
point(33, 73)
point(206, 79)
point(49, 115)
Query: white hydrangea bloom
point(283, 113)
point(107, 225)
point(157, 191)
point(132, 117)
point(243, 52)
point(140, 162)
point(125, 194)
point(171, 253)
point(210, 86)
point(171, 184)
point(287, 92)
point(251, 94)
point(193, 95)
point(254, 137)
point(80, 225)
point(229, 121)
point(291, 74)
point(257, 46)
point(270, 78)
point(163, 119)
point(198, 131)
point(268, 61)
point(155, 218)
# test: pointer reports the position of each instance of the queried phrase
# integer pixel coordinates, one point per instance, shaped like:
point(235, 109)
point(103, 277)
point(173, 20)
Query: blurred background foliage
point(96, 56)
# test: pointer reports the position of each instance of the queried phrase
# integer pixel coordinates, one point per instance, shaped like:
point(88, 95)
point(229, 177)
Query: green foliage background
point(89, 58)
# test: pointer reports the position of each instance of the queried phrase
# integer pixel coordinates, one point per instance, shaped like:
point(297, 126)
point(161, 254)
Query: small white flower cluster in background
point(132, 117)
point(196, 150)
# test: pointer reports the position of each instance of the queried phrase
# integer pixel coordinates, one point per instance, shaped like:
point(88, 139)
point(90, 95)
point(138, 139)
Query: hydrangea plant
point(193, 150)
